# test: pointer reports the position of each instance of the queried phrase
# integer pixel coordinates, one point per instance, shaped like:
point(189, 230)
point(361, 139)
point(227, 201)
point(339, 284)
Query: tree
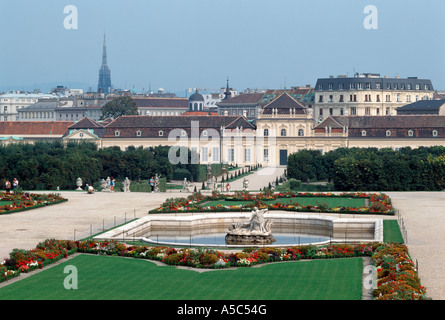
point(122, 106)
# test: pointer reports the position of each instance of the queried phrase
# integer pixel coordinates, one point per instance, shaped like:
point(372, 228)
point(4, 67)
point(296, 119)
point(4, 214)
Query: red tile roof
point(34, 127)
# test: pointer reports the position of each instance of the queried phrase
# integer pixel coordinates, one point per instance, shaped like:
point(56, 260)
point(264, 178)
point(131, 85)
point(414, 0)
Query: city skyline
point(178, 45)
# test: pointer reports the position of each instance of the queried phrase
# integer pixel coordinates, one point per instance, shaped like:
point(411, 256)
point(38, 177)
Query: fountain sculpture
point(256, 231)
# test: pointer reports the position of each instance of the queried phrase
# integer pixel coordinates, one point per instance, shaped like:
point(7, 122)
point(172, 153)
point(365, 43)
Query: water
point(219, 239)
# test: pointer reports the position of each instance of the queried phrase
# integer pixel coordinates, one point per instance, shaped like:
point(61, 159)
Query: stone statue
point(126, 185)
point(103, 185)
point(185, 185)
point(245, 184)
point(157, 183)
point(256, 230)
point(79, 184)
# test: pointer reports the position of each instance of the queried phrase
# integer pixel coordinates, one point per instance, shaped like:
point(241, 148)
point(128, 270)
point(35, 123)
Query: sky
point(181, 44)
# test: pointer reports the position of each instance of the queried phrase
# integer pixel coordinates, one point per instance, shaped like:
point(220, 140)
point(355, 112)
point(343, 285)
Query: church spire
point(104, 84)
point(104, 52)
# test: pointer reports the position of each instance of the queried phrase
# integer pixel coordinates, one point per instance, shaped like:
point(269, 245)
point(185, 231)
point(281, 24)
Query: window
point(231, 155)
point(320, 98)
point(266, 155)
point(388, 133)
point(247, 155)
point(117, 133)
point(341, 98)
point(330, 86)
point(331, 111)
point(367, 111)
point(378, 98)
point(204, 133)
point(266, 132)
point(320, 86)
point(434, 133)
point(353, 111)
point(215, 154)
point(321, 112)
point(300, 132)
point(205, 154)
point(183, 133)
point(410, 133)
point(360, 86)
point(388, 98)
point(341, 86)
point(161, 133)
point(283, 132)
point(341, 111)
point(331, 98)
point(138, 133)
point(378, 86)
point(363, 133)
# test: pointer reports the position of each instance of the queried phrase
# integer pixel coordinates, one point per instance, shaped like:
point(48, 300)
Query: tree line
point(47, 165)
point(372, 169)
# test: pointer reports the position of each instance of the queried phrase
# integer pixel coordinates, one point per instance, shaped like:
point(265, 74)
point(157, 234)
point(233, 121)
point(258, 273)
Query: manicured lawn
point(305, 201)
point(391, 231)
point(108, 278)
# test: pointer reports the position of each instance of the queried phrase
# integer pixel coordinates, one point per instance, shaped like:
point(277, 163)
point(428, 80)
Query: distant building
point(436, 107)
point(31, 131)
point(246, 104)
point(12, 102)
point(104, 85)
point(153, 106)
point(367, 95)
point(380, 131)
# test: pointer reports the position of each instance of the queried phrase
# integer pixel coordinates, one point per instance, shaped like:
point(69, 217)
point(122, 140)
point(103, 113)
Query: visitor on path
point(15, 184)
point(112, 183)
point(152, 184)
point(8, 186)
point(228, 187)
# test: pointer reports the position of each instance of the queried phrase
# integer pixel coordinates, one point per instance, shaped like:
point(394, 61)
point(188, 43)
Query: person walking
point(15, 184)
point(152, 184)
point(112, 184)
point(8, 186)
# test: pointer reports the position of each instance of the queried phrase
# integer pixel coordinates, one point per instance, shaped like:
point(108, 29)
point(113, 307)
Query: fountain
point(256, 231)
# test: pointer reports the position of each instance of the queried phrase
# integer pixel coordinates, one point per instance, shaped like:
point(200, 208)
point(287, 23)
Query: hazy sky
point(178, 44)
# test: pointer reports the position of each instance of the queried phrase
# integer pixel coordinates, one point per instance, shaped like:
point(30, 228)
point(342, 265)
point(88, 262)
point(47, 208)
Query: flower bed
point(378, 203)
point(27, 201)
point(47, 252)
point(396, 274)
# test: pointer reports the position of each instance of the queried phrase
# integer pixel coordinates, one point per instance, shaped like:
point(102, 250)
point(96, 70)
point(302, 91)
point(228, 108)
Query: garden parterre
point(379, 203)
point(21, 201)
point(397, 277)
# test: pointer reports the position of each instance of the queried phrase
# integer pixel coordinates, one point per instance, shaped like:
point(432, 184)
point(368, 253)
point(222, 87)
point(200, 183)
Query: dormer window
point(410, 133)
point(138, 133)
point(363, 133)
point(183, 133)
point(266, 132)
point(161, 133)
point(434, 133)
point(204, 133)
point(117, 133)
point(388, 133)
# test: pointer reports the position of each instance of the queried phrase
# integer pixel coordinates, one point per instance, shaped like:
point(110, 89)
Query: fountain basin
point(328, 228)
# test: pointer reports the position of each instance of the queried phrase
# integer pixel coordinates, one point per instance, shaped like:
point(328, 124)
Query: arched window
point(301, 133)
point(138, 133)
point(410, 133)
point(388, 133)
point(266, 132)
point(161, 133)
point(434, 133)
point(117, 133)
point(364, 133)
point(283, 132)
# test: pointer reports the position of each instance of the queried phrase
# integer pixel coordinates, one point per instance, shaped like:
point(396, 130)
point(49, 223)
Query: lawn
point(109, 278)
point(331, 202)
